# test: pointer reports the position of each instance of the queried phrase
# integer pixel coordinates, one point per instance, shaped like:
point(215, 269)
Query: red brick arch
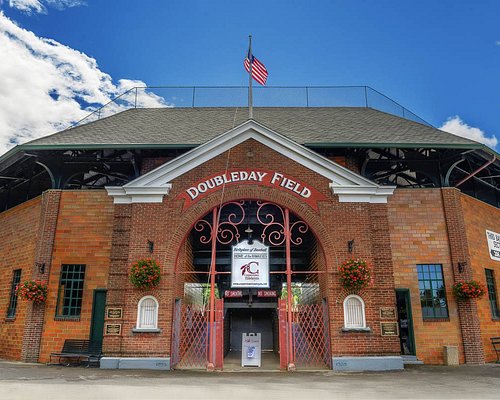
point(302, 210)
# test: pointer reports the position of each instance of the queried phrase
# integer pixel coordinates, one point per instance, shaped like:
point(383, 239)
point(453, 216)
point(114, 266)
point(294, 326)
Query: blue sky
point(440, 59)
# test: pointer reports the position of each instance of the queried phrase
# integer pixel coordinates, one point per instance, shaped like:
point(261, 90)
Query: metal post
point(307, 96)
point(135, 101)
point(366, 98)
point(215, 227)
point(291, 363)
point(194, 91)
point(250, 95)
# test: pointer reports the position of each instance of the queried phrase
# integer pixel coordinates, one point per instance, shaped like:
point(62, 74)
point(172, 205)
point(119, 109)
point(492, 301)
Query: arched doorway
point(224, 290)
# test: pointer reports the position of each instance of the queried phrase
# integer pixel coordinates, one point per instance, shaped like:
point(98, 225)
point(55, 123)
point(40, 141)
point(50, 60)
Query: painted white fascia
point(359, 194)
point(129, 195)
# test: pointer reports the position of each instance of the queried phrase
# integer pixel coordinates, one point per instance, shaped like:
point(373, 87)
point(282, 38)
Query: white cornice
point(151, 187)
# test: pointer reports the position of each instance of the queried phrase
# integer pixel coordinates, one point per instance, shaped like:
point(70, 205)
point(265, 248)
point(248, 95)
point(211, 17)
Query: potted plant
point(468, 290)
point(35, 291)
point(145, 274)
point(355, 274)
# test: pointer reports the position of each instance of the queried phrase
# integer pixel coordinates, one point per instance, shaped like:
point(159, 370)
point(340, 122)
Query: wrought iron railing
point(237, 96)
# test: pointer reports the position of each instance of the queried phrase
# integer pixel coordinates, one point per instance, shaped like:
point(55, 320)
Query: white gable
point(151, 187)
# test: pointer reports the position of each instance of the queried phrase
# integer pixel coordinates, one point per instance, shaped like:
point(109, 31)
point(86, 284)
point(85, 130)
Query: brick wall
point(478, 217)
point(18, 230)
point(333, 223)
point(418, 232)
point(82, 236)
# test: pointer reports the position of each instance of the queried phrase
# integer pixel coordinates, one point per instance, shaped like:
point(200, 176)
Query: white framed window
point(147, 313)
point(354, 312)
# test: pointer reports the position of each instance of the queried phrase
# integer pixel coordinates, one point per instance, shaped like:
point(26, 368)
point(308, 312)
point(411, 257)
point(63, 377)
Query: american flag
point(259, 71)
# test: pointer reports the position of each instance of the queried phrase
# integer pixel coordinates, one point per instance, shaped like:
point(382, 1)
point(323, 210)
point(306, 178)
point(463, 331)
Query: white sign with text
point(493, 244)
point(250, 265)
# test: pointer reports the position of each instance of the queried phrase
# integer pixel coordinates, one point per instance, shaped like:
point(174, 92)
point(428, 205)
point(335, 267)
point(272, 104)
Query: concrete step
point(411, 360)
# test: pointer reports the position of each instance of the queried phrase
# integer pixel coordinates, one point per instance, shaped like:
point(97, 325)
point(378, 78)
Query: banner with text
point(493, 245)
point(250, 265)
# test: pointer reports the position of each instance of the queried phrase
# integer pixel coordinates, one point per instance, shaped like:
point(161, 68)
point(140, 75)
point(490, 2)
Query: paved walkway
point(39, 382)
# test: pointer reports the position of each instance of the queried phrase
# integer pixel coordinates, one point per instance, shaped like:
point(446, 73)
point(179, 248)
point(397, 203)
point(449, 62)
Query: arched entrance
point(250, 267)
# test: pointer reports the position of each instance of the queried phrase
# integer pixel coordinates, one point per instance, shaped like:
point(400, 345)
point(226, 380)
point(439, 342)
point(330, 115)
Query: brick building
point(190, 188)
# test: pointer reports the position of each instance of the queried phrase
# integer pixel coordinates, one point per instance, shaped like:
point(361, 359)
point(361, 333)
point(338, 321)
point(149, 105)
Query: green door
point(405, 322)
point(98, 309)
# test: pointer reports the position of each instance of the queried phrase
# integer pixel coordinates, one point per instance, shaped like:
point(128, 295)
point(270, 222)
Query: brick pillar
point(459, 251)
point(33, 327)
point(384, 293)
point(118, 272)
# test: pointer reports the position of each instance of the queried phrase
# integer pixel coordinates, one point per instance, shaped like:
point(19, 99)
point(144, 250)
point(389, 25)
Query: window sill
point(10, 319)
point(436, 319)
point(63, 318)
point(140, 330)
point(358, 330)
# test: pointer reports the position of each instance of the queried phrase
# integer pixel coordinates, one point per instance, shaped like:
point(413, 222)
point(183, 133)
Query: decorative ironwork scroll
point(227, 231)
point(272, 217)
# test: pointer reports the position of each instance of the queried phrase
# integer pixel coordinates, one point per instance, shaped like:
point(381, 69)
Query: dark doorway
point(405, 322)
point(251, 320)
point(98, 309)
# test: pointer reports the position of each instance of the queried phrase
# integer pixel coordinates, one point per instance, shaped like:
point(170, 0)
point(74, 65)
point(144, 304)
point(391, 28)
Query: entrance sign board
point(260, 177)
point(250, 265)
point(493, 245)
point(251, 350)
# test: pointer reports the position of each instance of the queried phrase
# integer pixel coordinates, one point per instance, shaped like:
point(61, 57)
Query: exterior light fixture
point(40, 267)
point(461, 266)
point(350, 245)
point(151, 246)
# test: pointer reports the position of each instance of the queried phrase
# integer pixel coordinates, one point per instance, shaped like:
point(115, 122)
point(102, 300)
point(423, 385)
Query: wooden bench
point(75, 351)
point(495, 341)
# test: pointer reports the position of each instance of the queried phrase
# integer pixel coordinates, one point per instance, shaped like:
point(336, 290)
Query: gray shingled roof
point(193, 126)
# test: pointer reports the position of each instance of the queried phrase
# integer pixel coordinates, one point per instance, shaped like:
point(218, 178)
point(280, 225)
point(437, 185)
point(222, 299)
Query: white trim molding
point(154, 185)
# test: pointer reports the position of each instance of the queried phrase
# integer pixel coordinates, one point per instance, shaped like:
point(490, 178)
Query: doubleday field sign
point(256, 177)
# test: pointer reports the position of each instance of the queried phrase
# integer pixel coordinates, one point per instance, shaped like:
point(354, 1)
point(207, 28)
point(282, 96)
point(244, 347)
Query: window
point(69, 297)
point(432, 291)
point(492, 293)
point(147, 313)
point(16, 279)
point(354, 312)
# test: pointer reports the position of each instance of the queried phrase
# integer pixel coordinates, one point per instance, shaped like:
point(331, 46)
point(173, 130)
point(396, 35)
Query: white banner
point(493, 245)
point(250, 265)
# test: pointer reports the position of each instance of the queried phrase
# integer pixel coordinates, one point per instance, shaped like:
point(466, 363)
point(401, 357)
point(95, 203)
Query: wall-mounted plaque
point(389, 328)
point(387, 313)
point(113, 329)
point(114, 313)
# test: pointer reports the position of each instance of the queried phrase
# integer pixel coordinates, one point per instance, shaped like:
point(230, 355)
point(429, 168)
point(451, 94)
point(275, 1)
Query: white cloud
point(39, 6)
point(458, 127)
point(46, 86)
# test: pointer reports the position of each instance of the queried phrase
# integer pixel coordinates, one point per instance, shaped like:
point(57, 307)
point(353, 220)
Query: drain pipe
point(477, 171)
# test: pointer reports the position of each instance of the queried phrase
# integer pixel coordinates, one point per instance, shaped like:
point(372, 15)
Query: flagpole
point(250, 97)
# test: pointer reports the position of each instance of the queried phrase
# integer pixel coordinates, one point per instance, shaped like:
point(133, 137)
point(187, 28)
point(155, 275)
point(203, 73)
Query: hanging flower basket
point(145, 274)
point(468, 290)
point(35, 291)
point(355, 274)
